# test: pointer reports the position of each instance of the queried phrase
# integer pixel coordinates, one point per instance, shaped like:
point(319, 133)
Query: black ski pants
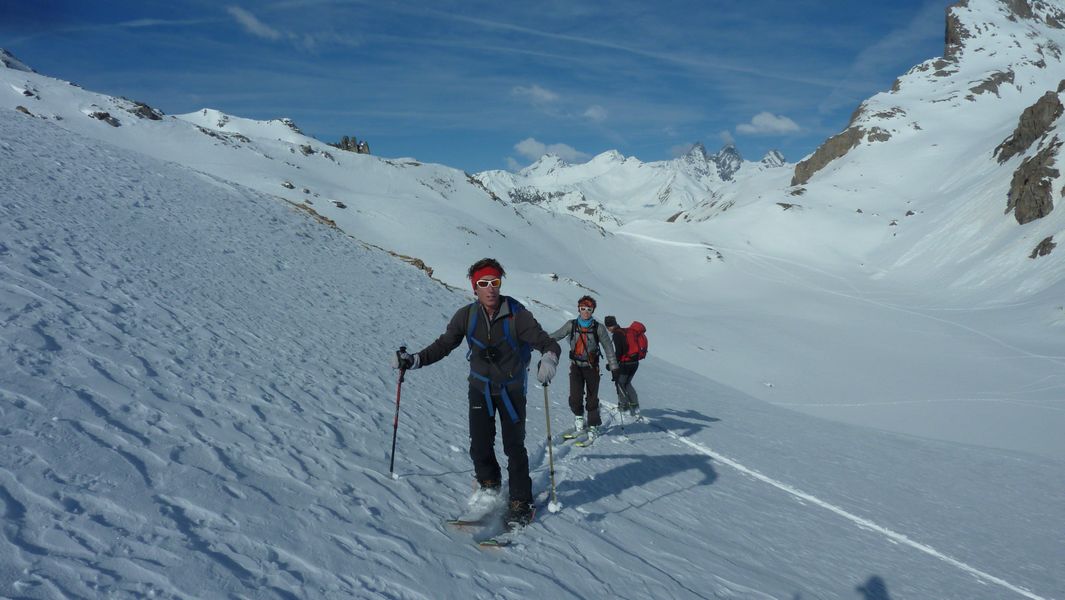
point(626, 393)
point(483, 439)
point(581, 378)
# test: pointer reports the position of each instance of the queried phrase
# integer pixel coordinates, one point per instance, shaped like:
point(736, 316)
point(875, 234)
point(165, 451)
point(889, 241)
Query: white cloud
point(766, 123)
point(680, 149)
point(512, 164)
point(533, 149)
point(595, 113)
point(727, 137)
point(252, 24)
point(535, 94)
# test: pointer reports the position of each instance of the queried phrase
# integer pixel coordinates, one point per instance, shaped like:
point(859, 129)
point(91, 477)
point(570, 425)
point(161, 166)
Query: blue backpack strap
point(524, 349)
point(472, 341)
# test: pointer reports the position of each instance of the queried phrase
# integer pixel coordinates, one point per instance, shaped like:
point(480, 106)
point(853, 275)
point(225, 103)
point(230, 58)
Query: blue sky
point(484, 85)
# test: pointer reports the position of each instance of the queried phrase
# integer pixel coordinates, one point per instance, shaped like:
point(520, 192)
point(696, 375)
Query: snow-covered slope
point(611, 190)
point(194, 404)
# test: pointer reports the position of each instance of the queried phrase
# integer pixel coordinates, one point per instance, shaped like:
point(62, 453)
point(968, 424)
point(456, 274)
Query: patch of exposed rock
point(956, 32)
point(1043, 248)
point(1035, 121)
point(143, 111)
point(992, 83)
point(105, 117)
point(352, 144)
point(1031, 194)
point(836, 147)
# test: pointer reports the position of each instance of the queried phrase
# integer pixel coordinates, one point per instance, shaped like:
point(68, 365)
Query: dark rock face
point(1043, 248)
point(956, 32)
point(1019, 9)
point(833, 148)
point(106, 118)
point(992, 83)
point(1031, 195)
point(1034, 123)
point(143, 111)
point(351, 144)
point(728, 161)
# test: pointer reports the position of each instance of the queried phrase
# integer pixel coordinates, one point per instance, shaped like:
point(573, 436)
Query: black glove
point(614, 375)
point(402, 360)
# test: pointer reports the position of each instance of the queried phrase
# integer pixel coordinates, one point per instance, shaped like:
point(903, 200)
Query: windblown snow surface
point(195, 402)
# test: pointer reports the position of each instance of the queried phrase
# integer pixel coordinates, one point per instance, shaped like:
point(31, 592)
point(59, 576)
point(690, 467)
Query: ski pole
point(395, 422)
point(550, 447)
point(621, 413)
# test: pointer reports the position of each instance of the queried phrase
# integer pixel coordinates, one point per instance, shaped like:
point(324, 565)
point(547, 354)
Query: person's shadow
point(680, 422)
point(636, 471)
point(873, 589)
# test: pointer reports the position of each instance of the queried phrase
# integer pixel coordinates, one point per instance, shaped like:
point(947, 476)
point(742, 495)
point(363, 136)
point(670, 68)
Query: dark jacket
point(621, 348)
point(507, 364)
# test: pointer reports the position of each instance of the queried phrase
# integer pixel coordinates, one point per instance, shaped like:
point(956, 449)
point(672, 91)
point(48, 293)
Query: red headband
point(483, 271)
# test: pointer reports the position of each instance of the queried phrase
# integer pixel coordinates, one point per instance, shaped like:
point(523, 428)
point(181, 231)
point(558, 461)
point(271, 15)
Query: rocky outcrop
point(956, 34)
point(992, 83)
point(9, 61)
point(351, 144)
point(1031, 193)
point(143, 111)
point(105, 117)
point(833, 148)
point(1043, 248)
point(1034, 123)
point(1018, 9)
point(773, 159)
point(836, 147)
point(728, 161)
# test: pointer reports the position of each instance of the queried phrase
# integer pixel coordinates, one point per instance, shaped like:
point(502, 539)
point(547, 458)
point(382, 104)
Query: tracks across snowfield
point(855, 519)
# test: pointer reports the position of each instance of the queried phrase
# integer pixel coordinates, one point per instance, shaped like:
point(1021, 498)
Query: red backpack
point(635, 343)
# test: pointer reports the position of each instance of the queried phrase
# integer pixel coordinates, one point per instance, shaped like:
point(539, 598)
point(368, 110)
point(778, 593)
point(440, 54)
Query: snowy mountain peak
point(283, 129)
point(545, 165)
point(697, 151)
point(608, 157)
point(728, 161)
point(8, 61)
point(773, 159)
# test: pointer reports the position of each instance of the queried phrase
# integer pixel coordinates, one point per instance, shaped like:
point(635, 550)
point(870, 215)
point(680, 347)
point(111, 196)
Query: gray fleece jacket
point(571, 333)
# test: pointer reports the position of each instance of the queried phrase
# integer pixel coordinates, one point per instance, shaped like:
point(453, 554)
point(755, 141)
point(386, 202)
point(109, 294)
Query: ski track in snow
point(859, 521)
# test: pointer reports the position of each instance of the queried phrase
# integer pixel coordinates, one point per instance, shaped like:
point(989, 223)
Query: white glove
point(403, 360)
point(545, 370)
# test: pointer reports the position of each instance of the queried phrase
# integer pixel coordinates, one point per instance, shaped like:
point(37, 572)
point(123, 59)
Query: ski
point(571, 434)
point(500, 541)
point(509, 535)
point(588, 441)
point(461, 523)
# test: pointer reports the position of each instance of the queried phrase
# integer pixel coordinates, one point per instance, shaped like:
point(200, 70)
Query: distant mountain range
point(611, 189)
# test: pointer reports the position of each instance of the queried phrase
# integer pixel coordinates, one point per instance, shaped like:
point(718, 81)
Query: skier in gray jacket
point(586, 336)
